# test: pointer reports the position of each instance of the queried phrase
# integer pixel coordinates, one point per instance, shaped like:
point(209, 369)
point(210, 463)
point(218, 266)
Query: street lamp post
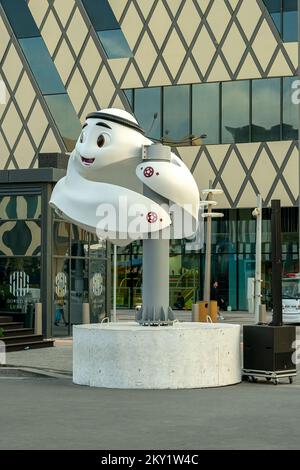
point(257, 291)
point(209, 215)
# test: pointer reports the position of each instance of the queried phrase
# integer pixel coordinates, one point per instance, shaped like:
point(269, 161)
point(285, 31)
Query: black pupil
point(100, 141)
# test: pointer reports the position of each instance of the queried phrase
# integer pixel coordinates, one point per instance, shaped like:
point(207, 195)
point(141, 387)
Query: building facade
point(213, 78)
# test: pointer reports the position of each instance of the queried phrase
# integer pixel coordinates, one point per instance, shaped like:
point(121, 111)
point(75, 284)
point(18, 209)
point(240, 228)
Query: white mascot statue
point(123, 187)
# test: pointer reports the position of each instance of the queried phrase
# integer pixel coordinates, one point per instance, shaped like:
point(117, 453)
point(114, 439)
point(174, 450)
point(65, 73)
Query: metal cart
point(273, 376)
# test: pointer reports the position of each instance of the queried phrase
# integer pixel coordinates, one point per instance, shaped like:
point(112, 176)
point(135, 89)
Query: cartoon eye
point(82, 137)
point(101, 140)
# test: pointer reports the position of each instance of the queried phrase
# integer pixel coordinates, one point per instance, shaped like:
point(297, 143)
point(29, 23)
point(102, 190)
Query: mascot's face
point(107, 138)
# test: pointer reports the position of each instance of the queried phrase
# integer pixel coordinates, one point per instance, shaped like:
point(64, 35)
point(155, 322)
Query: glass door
point(78, 289)
point(60, 314)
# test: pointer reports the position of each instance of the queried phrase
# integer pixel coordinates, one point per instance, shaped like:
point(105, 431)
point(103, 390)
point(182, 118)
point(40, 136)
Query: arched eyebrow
point(102, 124)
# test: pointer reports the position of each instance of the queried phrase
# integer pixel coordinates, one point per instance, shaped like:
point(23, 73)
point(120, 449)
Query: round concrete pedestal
point(185, 355)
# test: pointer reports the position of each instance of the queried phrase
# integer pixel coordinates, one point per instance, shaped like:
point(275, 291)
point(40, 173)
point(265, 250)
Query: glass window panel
point(290, 110)
point(176, 112)
point(97, 291)
point(101, 14)
point(137, 247)
point(224, 271)
point(65, 118)
point(61, 236)
point(246, 269)
point(147, 109)
point(79, 292)
point(124, 283)
point(246, 231)
point(289, 227)
point(290, 21)
point(274, 8)
point(235, 119)
point(114, 44)
point(61, 311)
point(129, 96)
point(224, 233)
point(20, 238)
point(19, 283)
point(266, 109)
point(79, 241)
point(20, 18)
point(206, 111)
point(42, 65)
point(20, 207)
point(97, 247)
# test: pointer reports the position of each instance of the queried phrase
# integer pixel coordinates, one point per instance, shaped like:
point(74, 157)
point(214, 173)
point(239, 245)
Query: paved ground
point(53, 413)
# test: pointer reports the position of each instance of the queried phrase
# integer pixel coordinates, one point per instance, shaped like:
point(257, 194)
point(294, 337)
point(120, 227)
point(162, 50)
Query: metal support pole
point(114, 319)
point(207, 275)
point(276, 263)
point(257, 290)
point(156, 282)
point(38, 319)
point(155, 290)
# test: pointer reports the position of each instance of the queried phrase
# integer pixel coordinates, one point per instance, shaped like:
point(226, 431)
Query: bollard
point(86, 313)
point(195, 312)
point(38, 323)
point(262, 314)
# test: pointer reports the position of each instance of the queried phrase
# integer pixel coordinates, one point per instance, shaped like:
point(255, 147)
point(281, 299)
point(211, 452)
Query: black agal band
point(117, 119)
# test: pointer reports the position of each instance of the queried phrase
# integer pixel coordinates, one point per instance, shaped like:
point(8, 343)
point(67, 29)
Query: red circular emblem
point(152, 217)
point(148, 172)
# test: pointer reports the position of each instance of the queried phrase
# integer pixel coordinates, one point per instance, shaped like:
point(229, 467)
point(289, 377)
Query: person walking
point(215, 295)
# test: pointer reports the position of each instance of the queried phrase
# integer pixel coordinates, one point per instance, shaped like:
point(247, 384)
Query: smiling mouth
point(87, 161)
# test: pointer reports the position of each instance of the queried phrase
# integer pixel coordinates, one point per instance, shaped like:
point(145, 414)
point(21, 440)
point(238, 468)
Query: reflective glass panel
point(79, 292)
point(79, 242)
point(61, 311)
point(206, 111)
point(97, 278)
point(61, 237)
point(266, 109)
point(290, 21)
point(176, 112)
point(129, 96)
point(290, 110)
point(246, 270)
point(42, 65)
point(101, 14)
point(97, 247)
point(124, 283)
point(224, 233)
point(114, 43)
point(246, 231)
point(274, 8)
point(20, 18)
point(147, 109)
point(235, 118)
point(19, 283)
point(65, 118)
